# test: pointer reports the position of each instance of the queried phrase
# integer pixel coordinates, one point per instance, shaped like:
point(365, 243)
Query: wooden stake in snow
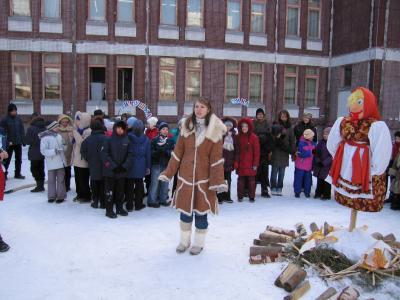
point(353, 219)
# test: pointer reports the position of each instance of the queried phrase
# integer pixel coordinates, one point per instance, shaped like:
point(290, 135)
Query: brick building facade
point(297, 54)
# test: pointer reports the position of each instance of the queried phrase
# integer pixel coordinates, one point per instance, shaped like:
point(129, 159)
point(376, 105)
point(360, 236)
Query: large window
point(126, 11)
point(232, 80)
point(168, 12)
point(167, 78)
point(52, 76)
point(347, 72)
point(290, 85)
point(314, 18)
point(193, 79)
point(20, 8)
point(234, 15)
point(97, 10)
point(195, 13)
point(311, 86)
point(257, 16)
point(97, 77)
point(256, 82)
point(125, 77)
point(51, 9)
point(293, 17)
point(22, 80)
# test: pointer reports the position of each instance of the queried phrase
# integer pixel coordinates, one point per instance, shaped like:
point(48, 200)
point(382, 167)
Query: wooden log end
point(299, 291)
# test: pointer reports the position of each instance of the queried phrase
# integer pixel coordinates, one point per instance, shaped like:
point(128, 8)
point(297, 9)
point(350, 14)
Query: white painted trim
point(35, 45)
point(105, 48)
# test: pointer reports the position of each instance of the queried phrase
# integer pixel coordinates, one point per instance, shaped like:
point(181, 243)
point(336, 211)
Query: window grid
point(254, 17)
point(291, 7)
point(23, 10)
point(190, 23)
point(190, 96)
point(123, 63)
point(312, 86)
point(165, 3)
point(25, 82)
point(96, 5)
point(347, 74)
point(97, 61)
point(314, 33)
point(256, 74)
point(290, 90)
point(167, 80)
point(52, 78)
point(125, 6)
point(53, 10)
point(230, 18)
point(229, 80)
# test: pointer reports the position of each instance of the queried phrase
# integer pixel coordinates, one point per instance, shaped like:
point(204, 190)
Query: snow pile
point(353, 244)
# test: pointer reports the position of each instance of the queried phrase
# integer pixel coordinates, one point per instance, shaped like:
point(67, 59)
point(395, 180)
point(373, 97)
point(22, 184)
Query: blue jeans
point(156, 170)
point(299, 177)
point(200, 220)
point(274, 172)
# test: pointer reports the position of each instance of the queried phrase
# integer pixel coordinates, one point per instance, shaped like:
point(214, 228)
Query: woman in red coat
point(249, 159)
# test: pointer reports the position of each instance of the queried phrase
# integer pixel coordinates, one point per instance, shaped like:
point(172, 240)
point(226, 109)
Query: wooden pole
point(353, 220)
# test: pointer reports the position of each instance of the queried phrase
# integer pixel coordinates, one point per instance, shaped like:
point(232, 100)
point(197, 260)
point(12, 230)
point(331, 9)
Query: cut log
point(299, 291)
point(286, 274)
point(294, 280)
point(264, 259)
point(327, 294)
point(377, 236)
point(283, 231)
point(274, 237)
point(301, 229)
point(349, 293)
point(261, 250)
point(389, 238)
point(266, 243)
point(314, 227)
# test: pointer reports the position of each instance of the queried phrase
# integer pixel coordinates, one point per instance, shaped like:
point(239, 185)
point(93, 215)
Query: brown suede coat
point(201, 170)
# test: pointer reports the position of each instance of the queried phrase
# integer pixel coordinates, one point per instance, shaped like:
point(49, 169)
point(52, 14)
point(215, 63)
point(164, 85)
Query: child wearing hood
point(81, 167)
point(304, 163)
point(52, 147)
point(323, 163)
point(65, 128)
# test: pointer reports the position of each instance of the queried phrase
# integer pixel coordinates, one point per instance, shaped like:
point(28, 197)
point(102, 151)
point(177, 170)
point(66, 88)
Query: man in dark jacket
point(117, 157)
point(15, 134)
point(91, 152)
point(37, 159)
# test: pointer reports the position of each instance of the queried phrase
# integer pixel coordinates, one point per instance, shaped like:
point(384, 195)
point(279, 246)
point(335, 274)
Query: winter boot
point(199, 241)
point(395, 202)
point(186, 232)
point(3, 246)
point(95, 203)
point(39, 187)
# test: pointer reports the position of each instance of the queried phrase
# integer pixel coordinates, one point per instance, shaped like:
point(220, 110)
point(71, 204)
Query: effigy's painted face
point(357, 109)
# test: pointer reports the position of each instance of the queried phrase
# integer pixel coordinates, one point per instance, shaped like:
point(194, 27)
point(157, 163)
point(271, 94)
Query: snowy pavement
point(72, 251)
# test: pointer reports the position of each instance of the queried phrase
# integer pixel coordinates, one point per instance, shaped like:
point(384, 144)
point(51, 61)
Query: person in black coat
point(15, 134)
point(269, 139)
point(90, 151)
point(301, 126)
point(117, 157)
point(37, 159)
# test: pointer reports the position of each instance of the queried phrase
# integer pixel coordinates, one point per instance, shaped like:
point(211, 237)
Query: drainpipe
point(147, 81)
point(73, 106)
point(381, 92)
point(274, 96)
point(371, 23)
point(328, 97)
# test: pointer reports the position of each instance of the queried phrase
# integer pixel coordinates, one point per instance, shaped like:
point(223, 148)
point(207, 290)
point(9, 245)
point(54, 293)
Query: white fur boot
point(199, 241)
point(186, 232)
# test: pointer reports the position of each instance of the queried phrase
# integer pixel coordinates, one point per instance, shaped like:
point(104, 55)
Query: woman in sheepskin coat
point(66, 126)
point(198, 152)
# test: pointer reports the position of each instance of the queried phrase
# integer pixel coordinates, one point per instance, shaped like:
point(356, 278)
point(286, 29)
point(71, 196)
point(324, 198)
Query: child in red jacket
point(249, 159)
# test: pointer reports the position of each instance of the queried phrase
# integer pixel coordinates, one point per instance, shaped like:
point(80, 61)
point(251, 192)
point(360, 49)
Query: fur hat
point(137, 125)
point(260, 110)
point(307, 115)
point(308, 134)
point(34, 115)
point(276, 129)
point(98, 112)
point(162, 125)
point(327, 130)
point(96, 125)
point(397, 134)
point(152, 122)
point(130, 121)
point(50, 125)
point(11, 107)
point(110, 126)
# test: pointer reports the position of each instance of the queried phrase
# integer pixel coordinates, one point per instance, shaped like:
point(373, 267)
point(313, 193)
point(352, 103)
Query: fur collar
point(214, 131)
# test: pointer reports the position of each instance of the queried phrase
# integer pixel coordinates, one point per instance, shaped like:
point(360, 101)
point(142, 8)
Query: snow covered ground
point(72, 251)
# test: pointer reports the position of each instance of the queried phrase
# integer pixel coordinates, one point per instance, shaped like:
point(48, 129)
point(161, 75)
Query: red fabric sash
point(2, 183)
point(360, 172)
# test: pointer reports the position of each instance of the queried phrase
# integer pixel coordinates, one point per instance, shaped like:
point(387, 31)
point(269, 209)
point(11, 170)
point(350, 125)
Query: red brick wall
point(393, 36)
point(391, 94)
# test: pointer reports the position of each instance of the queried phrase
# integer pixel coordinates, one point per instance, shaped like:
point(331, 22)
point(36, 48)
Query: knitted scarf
point(162, 139)
point(80, 131)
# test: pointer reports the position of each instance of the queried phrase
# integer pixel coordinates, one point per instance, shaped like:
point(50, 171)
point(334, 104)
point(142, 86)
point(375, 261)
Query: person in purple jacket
point(231, 155)
point(323, 162)
point(304, 163)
